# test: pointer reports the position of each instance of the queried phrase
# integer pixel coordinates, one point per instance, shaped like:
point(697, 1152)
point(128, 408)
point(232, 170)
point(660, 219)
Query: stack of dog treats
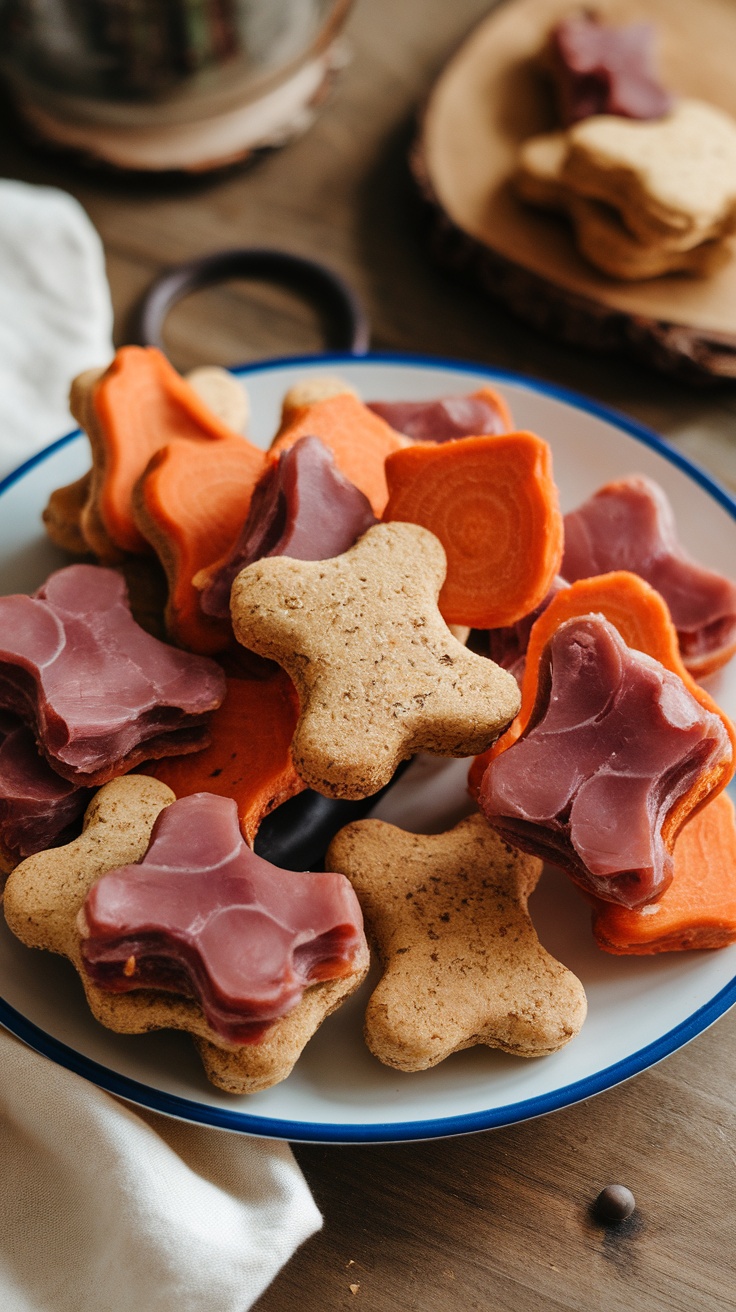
point(648, 181)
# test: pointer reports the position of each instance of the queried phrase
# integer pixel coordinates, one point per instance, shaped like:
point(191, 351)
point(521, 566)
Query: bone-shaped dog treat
point(378, 673)
point(462, 963)
point(43, 899)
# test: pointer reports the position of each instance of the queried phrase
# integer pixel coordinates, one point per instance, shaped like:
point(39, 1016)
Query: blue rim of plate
point(443, 1127)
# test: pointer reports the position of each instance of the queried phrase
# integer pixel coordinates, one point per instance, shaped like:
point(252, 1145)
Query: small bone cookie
point(223, 393)
point(462, 963)
point(601, 235)
point(673, 180)
point(45, 894)
point(311, 390)
point(378, 673)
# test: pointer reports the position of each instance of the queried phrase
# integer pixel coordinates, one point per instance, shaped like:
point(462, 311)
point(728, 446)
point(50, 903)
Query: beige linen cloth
point(103, 1207)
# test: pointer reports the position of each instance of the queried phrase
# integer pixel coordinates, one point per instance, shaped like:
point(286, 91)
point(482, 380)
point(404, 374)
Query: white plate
point(639, 1009)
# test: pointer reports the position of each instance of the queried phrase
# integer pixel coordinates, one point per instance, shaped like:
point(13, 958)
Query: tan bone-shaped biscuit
point(45, 893)
point(600, 233)
point(378, 673)
point(673, 180)
point(462, 963)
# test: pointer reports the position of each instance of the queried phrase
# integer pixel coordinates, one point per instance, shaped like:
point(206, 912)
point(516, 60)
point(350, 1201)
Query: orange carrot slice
point(698, 910)
point(249, 757)
point(643, 620)
point(140, 404)
point(190, 504)
point(359, 440)
point(493, 504)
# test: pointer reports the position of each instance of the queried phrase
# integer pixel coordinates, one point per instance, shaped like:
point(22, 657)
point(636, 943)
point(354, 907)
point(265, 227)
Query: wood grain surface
point(499, 1220)
point(490, 98)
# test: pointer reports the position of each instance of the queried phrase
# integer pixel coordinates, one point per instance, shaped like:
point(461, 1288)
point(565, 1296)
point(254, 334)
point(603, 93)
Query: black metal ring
point(344, 320)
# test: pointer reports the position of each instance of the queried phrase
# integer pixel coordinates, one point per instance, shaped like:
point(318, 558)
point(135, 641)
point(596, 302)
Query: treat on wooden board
point(672, 180)
point(493, 504)
point(630, 525)
point(698, 910)
point(378, 673)
point(99, 694)
point(302, 506)
point(359, 440)
point(462, 964)
point(482, 412)
point(249, 756)
point(189, 504)
point(600, 232)
point(249, 1014)
point(615, 758)
point(599, 68)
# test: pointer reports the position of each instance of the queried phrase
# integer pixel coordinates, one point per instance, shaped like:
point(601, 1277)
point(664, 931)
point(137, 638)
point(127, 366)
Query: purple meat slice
point(202, 916)
point(38, 809)
point(600, 69)
point(303, 507)
point(98, 693)
point(614, 742)
point(630, 525)
point(445, 419)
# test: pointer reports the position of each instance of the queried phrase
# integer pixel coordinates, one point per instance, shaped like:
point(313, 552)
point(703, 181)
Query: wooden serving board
point(488, 99)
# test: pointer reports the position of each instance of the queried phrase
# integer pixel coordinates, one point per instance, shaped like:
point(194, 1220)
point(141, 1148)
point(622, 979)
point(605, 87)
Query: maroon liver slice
point(303, 507)
point(600, 69)
point(614, 741)
point(99, 693)
point(203, 916)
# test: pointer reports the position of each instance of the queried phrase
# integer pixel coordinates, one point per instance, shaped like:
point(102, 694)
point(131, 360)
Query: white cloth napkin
point(105, 1208)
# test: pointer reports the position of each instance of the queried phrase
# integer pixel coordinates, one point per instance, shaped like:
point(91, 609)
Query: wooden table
point(498, 1220)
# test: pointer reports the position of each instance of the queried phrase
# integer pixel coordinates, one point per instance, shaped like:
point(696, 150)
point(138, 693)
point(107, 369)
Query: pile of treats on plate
point(647, 179)
point(388, 579)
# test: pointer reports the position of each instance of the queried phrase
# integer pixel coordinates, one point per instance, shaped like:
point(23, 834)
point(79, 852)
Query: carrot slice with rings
point(359, 440)
point(249, 757)
point(139, 405)
point(698, 910)
point(493, 504)
point(190, 505)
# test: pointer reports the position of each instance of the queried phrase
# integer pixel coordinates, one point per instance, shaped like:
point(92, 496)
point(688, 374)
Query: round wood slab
point(488, 99)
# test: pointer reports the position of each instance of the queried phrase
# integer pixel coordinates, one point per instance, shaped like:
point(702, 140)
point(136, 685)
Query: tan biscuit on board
point(378, 673)
point(462, 963)
point(43, 897)
point(601, 236)
point(673, 180)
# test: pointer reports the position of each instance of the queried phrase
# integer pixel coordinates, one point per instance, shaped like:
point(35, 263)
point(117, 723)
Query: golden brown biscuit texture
point(462, 963)
point(378, 673)
point(601, 234)
point(672, 179)
point(43, 898)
